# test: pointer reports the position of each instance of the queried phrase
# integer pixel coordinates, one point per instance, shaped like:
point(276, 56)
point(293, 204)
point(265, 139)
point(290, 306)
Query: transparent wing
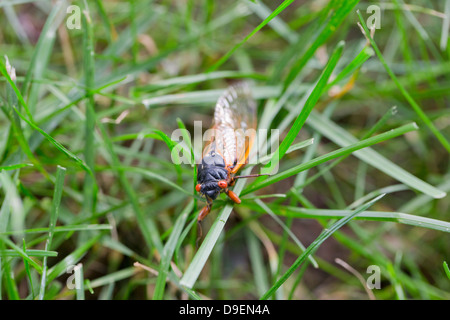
point(234, 129)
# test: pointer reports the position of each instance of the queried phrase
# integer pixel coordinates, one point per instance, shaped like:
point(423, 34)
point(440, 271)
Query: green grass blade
point(305, 111)
point(21, 253)
point(30, 252)
point(27, 269)
point(168, 251)
point(41, 56)
point(57, 144)
point(70, 260)
point(259, 268)
point(90, 185)
point(15, 166)
point(276, 12)
point(399, 217)
point(445, 26)
point(341, 137)
point(147, 226)
point(446, 269)
point(313, 247)
point(10, 283)
point(339, 10)
point(59, 185)
point(329, 156)
point(422, 115)
point(354, 65)
point(286, 229)
point(79, 281)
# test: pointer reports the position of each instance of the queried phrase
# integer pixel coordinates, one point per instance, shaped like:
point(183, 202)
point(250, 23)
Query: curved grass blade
point(422, 115)
point(399, 217)
point(446, 269)
point(315, 245)
point(19, 251)
point(276, 12)
point(15, 166)
point(72, 259)
point(58, 145)
point(332, 155)
point(339, 11)
point(306, 110)
point(168, 251)
point(59, 185)
point(341, 137)
point(285, 228)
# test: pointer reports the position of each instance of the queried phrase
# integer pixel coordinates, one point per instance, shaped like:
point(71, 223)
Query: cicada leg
point(233, 196)
point(204, 212)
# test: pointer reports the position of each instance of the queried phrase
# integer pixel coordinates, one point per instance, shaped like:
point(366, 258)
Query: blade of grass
point(259, 271)
point(71, 259)
point(15, 166)
point(27, 269)
point(315, 245)
point(147, 226)
point(332, 155)
point(399, 217)
point(30, 252)
point(66, 228)
point(286, 229)
point(299, 185)
point(339, 10)
point(15, 216)
point(57, 144)
point(276, 12)
point(205, 96)
point(21, 253)
point(277, 24)
point(446, 269)
point(41, 55)
point(445, 26)
point(305, 111)
point(353, 66)
point(79, 281)
point(168, 251)
point(341, 137)
point(90, 186)
point(403, 91)
point(113, 277)
point(59, 184)
point(292, 148)
point(10, 284)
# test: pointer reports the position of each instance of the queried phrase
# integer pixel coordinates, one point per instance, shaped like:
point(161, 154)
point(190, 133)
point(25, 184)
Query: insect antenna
point(252, 175)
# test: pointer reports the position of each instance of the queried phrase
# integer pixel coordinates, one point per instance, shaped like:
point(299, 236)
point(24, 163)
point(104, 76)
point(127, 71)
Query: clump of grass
point(93, 207)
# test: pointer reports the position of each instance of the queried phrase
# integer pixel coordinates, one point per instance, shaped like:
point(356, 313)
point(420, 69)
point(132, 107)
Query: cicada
point(232, 136)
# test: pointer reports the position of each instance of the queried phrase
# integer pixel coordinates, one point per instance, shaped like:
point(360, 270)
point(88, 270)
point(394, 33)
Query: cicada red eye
point(198, 187)
point(222, 184)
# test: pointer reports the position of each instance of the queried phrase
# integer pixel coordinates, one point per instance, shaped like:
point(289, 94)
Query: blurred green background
point(101, 85)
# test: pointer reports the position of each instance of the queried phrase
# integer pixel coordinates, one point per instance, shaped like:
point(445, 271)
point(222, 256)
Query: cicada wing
point(235, 124)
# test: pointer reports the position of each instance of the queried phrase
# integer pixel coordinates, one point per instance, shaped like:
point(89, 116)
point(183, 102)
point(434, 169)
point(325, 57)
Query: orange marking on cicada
point(223, 184)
